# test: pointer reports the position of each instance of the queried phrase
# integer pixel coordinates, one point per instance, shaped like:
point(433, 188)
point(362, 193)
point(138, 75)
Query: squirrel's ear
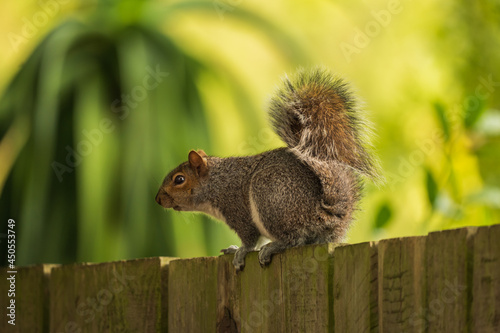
point(198, 162)
point(202, 153)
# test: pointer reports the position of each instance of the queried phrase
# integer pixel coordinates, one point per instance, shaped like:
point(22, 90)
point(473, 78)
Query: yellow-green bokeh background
point(419, 66)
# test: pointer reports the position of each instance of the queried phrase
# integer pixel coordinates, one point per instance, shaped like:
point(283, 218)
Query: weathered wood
point(261, 296)
point(292, 294)
point(401, 273)
point(448, 276)
point(307, 288)
point(192, 295)
point(122, 296)
point(355, 301)
point(31, 299)
point(486, 281)
point(164, 263)
point(448, 281)
point(228, 296)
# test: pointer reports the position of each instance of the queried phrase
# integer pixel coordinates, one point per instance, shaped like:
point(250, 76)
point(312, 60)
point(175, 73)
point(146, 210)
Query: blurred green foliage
point(113, 94)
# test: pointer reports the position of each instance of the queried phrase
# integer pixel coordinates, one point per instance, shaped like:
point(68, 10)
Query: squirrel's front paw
point(230, 250)
point(265, 256)
point(239, 264)
point(239, 257)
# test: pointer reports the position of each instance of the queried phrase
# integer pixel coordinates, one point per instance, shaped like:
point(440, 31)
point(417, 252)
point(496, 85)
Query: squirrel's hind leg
point(268, 250)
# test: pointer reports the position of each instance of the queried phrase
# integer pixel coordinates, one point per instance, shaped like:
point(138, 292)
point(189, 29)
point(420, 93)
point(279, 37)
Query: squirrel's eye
point(179, 180)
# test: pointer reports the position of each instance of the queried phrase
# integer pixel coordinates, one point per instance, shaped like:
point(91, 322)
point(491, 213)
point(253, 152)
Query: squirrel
point(303, 194)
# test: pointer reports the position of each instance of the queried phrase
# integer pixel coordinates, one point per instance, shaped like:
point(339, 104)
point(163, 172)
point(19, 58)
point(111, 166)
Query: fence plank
point(401, 273)
point(192, 295)
point(261, 296)
point(110, 297)
point(228, 296)
point(307, 286)
point(164, 263)
point(292, 294)
point(355, 307)
point(448, 281)
point(448, 276)
point(31, 299)
point(486, 281)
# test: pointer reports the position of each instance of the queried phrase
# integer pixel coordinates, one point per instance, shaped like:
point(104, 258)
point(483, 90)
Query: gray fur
point(303, 194)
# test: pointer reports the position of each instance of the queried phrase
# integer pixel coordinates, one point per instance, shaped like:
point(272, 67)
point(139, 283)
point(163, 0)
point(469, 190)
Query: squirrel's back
point(316, 115)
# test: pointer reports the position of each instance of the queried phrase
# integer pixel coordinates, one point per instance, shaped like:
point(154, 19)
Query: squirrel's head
point(177, 189)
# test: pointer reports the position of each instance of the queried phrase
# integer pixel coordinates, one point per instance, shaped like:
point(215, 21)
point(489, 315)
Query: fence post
point(192, 295)
point(447, 281)
point(293, 293)
point(115, 296)
point(449, 275)
point(401, 274)
point(228, 296)
point(486, 280)
point(31, 298)
point(355, 290)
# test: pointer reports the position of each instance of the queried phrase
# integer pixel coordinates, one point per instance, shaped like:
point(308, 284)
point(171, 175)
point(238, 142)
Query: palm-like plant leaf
point(96, 131)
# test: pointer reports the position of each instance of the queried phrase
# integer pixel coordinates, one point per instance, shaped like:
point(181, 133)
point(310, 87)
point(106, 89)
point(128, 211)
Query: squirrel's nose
point(158, 198)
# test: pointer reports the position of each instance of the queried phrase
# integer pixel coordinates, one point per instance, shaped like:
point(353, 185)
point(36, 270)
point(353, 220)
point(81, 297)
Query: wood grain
point(486, 281)
point(123, 296)
point(401, 273)
point(31, 299)
point(192, 295)
point(261, 296)
point(448, 281)
point(292, 294)
point(355, 289)
point(448, 276)
point(307, 286)
point(164, 265)
point(228, 296)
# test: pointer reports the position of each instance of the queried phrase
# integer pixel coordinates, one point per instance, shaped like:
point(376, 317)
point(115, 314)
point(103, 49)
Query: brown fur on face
point(190, 172)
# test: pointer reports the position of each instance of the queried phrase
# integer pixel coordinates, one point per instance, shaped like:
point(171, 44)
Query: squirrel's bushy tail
point(316, 115)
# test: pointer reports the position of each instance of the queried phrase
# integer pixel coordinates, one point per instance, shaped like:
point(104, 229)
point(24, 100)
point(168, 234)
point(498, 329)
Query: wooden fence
point(447, 281)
